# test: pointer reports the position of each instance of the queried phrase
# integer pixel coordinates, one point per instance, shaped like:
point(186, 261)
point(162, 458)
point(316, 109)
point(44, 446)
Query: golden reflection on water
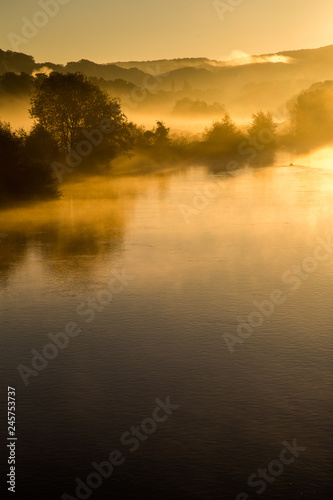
point(321, 157)
point(101, 218)
point(90, 219)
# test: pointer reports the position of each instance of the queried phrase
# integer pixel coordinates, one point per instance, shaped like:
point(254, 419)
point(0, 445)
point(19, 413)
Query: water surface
point(194, 279)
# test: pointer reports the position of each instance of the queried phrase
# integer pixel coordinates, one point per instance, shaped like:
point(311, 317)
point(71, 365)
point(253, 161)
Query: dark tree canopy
point(261, 121)
point(40, 145)
point(16, 62)
point(23, 176)
point(311, 116)
point(161, 133)
point(263, 129)
point(224, 135)
point(17, 85)
point(67, 105)
point(188, 106)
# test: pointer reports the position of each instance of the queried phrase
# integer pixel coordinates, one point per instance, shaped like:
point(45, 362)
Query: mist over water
point(165, 235)
point(163, 335)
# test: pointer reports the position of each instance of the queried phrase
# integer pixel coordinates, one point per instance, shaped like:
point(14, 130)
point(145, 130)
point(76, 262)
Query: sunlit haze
point(123, 30)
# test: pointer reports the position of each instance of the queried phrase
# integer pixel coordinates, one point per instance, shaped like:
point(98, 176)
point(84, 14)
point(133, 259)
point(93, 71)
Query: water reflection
point(89, 222)
point(163, 335)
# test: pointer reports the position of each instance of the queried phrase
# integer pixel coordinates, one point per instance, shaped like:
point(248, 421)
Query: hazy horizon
point(234, 55)
point(156, 29)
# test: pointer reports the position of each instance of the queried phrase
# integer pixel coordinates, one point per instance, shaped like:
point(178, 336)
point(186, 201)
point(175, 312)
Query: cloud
point(239, 58)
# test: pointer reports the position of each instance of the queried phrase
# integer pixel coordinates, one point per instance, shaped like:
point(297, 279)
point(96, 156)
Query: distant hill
point(106, 71)
point(323, 54)
point(244, 84)
point(300, 60)
point(166, 65)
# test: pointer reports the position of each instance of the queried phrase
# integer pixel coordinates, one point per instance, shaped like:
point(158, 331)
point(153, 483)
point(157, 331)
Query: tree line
point(78, 123)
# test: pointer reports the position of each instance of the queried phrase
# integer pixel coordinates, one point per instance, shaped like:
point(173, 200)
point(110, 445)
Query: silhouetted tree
point(223, 136)
point(161, 133)
point(187, 106)
point(263, 126)
point(22, 177)
point(148, 138)
point(40, 145)
point(18, 85)
point(311, 116)
point(67, 105)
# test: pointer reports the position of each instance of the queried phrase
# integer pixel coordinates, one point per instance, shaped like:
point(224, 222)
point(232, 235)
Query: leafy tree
point(40, 145)
point(140, 136)
point(223, 136)
point(18, 85)
point(156, 138)
point(148, 138)
point(67, 105)
point(311, 116)
point(22, 177)
point(263, 126)
point(187, 106)
point(10, 144)
point(161, 134)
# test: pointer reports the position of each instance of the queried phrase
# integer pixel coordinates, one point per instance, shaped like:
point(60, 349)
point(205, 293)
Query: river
point(211, 292)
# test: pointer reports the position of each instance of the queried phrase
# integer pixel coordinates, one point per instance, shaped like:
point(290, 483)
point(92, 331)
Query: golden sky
point(122, 30)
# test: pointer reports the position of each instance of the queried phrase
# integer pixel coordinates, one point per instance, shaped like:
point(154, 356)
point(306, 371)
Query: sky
point(128, 30)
